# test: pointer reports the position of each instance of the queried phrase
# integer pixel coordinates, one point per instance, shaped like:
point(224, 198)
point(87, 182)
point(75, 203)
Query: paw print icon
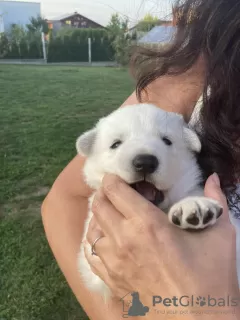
point(201, 301)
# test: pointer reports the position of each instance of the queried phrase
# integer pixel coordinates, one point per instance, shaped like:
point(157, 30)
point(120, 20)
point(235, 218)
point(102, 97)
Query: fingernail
point(215, 179)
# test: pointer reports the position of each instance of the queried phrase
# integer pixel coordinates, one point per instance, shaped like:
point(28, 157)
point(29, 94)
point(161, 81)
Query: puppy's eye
point(167, 141)
point(116, 144)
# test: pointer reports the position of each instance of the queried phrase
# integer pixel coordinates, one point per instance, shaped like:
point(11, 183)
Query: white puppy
point(155, 152)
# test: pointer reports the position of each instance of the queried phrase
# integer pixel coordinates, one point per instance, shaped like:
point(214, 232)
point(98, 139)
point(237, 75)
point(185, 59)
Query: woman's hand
point(141, 251)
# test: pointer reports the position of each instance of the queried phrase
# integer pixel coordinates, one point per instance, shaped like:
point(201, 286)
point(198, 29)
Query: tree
point(38, 25)
point(117, 26)
point(15, 36)
point(117, 33)
point(16, 33)
point(24, 42)
point(147, 23)
point(4, 45)
point(35, 28)
point(150, 18)
point(122, 46)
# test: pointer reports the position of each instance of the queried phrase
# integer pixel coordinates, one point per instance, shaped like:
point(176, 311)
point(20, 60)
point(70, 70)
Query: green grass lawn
point(42, 111)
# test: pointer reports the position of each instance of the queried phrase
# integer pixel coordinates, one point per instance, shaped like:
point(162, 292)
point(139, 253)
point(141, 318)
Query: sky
point(101, 10)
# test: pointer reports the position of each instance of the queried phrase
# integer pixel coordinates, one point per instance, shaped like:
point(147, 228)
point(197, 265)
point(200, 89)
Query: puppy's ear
point(85, 142)
point(192, 140)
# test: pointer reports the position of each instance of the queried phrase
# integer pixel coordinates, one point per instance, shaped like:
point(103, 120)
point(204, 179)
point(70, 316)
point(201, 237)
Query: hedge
point(22, 50)
point(68, 45)
point(71, 45)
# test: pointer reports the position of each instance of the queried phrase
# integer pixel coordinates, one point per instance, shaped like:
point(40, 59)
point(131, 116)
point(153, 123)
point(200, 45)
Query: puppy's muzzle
point(145, 164)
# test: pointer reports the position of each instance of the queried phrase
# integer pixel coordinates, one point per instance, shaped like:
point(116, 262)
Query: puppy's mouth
point(149, 192)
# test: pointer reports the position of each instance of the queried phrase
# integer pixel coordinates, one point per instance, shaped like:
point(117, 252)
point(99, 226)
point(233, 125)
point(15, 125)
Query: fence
point(65, 50)
point(71, 46)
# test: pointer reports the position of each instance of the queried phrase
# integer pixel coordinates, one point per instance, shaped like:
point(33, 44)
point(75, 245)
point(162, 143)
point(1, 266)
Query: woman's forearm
point(63, 218)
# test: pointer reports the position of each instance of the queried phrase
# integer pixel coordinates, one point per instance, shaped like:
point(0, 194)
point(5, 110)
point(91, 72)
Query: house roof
point(63, 16)
point(159, 22)
point(159, 34)
point(69, 15)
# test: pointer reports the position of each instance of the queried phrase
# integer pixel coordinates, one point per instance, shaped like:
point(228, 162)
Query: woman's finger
point(102, 248)
point(106, 255)
point(98, 268)
point(128, 202)
point(95, 262)
point(213, 190)
point(108, 218)
point(94, 231)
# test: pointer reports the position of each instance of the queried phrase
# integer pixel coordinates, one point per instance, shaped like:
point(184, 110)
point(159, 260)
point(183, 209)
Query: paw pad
point(220, 212)
point(195, 213)
point(208, 217)
point(193, 219)
point(176, 220)
point(201, 301)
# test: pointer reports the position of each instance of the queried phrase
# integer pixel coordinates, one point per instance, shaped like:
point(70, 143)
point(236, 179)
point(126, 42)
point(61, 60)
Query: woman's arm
point(63, 213)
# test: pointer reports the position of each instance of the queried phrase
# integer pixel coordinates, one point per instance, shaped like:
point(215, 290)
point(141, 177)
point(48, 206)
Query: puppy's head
point(147, 147)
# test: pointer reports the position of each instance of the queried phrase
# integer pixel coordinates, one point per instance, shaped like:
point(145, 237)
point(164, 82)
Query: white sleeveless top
point(234, 212)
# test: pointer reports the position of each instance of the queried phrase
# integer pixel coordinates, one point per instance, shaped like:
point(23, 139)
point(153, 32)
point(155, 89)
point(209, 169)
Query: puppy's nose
point(145, 163)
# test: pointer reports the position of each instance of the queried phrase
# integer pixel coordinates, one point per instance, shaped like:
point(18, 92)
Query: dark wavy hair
point(214, 34)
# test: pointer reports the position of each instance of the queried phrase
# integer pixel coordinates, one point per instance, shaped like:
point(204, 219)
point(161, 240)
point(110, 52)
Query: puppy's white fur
point(141, 129)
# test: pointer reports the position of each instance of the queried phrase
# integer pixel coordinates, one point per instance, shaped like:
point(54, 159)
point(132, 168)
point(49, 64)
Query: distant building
point(164, 32)
point(158, 35)
point(74, 20)
point(17, 12)
point(136, 30)
point(157, 23)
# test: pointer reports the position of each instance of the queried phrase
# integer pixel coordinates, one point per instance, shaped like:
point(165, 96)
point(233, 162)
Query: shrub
point(71, 45)
point(19, 43)
point(4, 45)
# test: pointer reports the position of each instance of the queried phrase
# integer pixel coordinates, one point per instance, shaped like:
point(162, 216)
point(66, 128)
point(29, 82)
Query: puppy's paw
point(195, 213)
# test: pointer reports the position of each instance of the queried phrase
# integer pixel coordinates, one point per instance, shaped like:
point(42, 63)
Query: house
point(165, 30)
point(157, 23)
point(158, 35)
point(74, 20)
point(17, 12)
point(163, 34)
point(136, 30)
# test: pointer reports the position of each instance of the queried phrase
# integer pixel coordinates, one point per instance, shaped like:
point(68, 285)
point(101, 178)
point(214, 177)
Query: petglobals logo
point(133, 306)
point(198, 301)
